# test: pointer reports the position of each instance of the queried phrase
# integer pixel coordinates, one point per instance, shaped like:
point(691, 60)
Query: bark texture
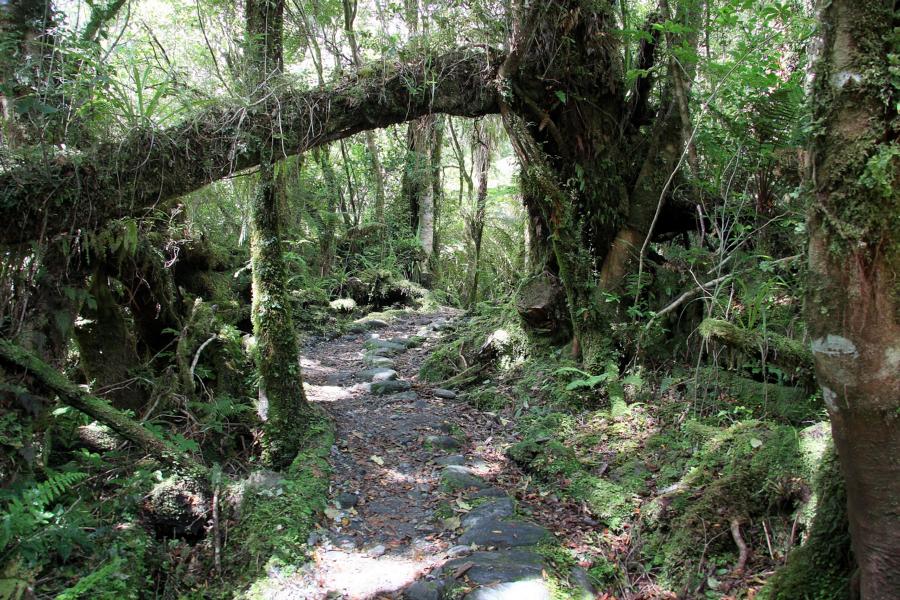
point(854, 259)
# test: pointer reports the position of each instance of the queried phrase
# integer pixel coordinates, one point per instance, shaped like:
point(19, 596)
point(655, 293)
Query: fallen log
point(777, 349)
point(15, 359)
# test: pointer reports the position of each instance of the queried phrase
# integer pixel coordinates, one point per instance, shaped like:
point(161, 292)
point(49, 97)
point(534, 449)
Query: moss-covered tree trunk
point(854, 257)
point(580, 135)
point(282, 402)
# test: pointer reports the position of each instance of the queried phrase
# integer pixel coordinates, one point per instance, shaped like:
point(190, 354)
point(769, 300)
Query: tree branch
point(132, 176)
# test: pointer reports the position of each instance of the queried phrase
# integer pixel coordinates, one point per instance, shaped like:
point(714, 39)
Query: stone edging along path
point(420, 503)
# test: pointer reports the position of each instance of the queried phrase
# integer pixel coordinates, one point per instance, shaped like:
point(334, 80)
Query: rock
point(457, 551)
point(98, 437)
point(377, 551)
point(503, 534)
point(501, 566)
point(453, 459)
point(262, 480)
point(384, 352)
point(377, 374)
point(444, 442)
point(498, 508)
point(439, 325)
point(424, 590)
point(582, 581)
point(347, 500)
point(444, 393)
point(379, 344)
point(533, 589)
point(357, 328)
point(375, 323)
point(456, 477)
point(177, 508)
point(381, 362)
point(382, 388)
point(338, 378)
point(489, 492)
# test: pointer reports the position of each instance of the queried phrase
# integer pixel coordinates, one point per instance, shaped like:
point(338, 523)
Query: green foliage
point(34, 524)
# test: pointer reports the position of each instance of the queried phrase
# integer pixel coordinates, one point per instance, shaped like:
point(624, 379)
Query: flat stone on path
point(379, 344)
point(533, 589)
point(455, 477)
point(453, 459)
point(501, 566)
point(444, 442)
point(377, 374)
point(498, 508)
point(503, 534)
point(347, 500)
point(378, 361)
point(444, 393)
point(424, 590)
point(382, 388)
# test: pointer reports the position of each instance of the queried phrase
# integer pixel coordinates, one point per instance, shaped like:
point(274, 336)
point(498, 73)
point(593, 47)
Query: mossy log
point(16, 360)
point(780, 350)
point(132, 175)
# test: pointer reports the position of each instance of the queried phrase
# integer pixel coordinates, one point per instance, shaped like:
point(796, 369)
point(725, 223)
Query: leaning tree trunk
point(854, 257)
point(282, 401)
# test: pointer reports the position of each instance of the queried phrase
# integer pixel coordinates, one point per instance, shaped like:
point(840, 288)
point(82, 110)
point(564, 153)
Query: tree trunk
point(417, 187)
point(854, 257)
point(350, 7)
point(482, 160)
point(282, 401)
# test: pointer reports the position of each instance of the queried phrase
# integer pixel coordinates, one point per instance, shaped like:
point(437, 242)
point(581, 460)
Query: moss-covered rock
point(275, 521)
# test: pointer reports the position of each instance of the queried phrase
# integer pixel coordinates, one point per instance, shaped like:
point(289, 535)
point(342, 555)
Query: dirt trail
point(403, 454)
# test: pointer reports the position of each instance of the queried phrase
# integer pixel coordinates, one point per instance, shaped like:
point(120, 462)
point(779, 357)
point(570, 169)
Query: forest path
point(419, 480)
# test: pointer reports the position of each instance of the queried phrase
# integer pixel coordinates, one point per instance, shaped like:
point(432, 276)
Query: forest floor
point(423, 503)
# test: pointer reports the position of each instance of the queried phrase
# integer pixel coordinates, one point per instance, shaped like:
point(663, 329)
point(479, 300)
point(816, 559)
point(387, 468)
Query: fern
point(30, 527)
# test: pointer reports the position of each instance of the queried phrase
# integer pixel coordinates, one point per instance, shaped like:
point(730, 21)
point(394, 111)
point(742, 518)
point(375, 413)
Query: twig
point(197, 355)
point(217, 538)
point(768, 540)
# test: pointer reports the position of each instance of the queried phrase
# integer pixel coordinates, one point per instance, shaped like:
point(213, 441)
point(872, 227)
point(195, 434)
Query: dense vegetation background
point(632, 202)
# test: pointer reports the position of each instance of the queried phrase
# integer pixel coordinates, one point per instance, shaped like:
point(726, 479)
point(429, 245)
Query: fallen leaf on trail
point(463, 504)
point(377, 460)
point(451, 522)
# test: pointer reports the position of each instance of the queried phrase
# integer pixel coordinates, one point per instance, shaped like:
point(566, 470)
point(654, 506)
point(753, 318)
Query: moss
point(728, 394)
point(275, 524)
point(746, 472)
point(608, 500)
point(819, 569)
